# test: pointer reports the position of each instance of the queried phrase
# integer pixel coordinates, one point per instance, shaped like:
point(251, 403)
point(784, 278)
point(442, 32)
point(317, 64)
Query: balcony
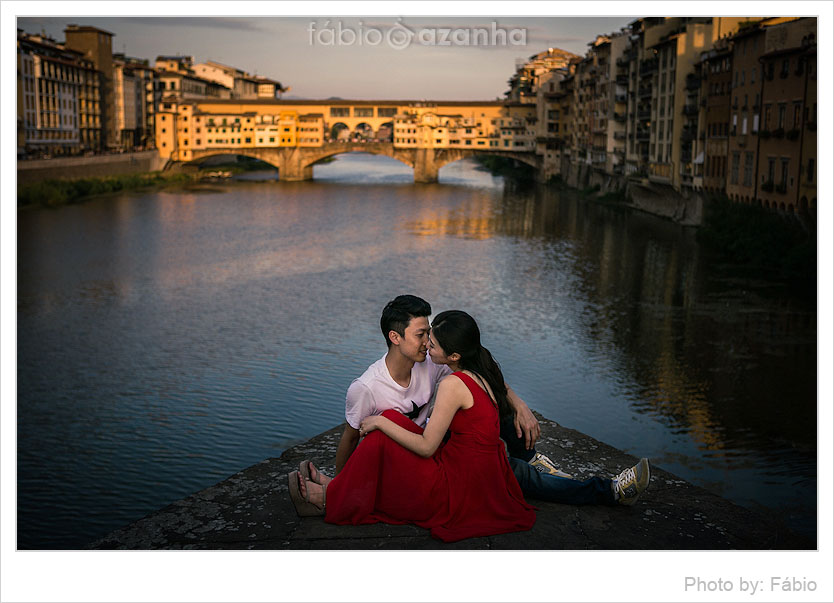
point(690, 110)
point(619, 135)
point(645, 114)
point(642, 134)
point(620, 98)
point(622, 80)
point(768, 186)
point(644, 91)
point(619, 117)
point(693, 82)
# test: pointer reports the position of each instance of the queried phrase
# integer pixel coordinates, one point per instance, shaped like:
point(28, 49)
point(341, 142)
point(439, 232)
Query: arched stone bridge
point(296, 163)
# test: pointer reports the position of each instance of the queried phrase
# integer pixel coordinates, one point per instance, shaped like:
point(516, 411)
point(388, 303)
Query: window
point(810, 176)
point(753, 75)
point(748, 168)
point(782, 112)
point(734, 171)
point(339, 111)
point(784, 180)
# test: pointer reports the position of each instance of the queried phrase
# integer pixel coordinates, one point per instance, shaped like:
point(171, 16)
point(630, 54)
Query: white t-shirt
point(376, 391)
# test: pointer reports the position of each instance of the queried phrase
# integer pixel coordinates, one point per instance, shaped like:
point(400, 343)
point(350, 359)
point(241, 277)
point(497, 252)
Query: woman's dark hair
point(399, 312)
point(456, 331)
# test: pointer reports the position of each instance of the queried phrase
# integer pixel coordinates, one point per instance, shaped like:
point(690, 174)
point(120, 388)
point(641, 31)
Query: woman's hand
point(369, 424)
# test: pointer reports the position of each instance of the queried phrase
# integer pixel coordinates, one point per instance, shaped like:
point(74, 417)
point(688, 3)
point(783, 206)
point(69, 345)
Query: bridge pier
point(425, 166)
point(291, 171)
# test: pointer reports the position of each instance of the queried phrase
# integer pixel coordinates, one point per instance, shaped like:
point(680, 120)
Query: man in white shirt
point(405, 379)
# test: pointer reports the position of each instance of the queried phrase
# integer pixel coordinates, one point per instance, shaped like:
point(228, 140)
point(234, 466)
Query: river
point(169, 339)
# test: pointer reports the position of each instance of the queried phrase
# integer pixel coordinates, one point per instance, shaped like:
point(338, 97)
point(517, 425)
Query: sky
point(386, 58)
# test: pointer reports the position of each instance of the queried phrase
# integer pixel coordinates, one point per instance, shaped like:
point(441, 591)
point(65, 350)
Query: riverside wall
point(683, 207)
point(94, 166)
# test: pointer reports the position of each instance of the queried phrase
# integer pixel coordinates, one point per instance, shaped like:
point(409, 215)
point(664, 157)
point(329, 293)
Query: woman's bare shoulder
point(451, 383)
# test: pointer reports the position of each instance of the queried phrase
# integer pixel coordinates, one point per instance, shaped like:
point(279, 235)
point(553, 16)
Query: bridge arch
point(363, 130)
point(333, 150)
point(385, 133)
point(339, 131)
point(447, 156)
point(200, 157)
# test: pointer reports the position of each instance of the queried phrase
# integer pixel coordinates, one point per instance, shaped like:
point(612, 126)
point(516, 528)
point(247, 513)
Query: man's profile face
point(414, 343)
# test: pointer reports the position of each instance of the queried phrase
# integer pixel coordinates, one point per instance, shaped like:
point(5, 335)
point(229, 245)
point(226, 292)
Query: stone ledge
point(252, 510)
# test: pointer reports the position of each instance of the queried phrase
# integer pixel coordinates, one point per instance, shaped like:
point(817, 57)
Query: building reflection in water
point(729, 361)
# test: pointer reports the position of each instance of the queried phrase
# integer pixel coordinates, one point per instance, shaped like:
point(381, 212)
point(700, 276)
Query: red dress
point(466, 489)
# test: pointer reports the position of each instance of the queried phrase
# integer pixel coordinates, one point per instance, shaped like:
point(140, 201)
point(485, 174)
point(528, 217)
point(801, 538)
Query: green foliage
point(53, 193)
point(761, 240)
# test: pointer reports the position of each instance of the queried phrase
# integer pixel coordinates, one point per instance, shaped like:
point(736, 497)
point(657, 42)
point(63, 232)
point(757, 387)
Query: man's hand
point(526, 424)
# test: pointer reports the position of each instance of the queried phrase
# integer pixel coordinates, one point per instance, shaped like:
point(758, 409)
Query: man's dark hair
point(399, 312)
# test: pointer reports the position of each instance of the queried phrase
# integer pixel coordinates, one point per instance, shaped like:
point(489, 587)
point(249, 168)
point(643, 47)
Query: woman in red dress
point(462, 487)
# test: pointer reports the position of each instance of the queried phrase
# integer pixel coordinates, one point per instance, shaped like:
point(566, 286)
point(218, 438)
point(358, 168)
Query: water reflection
point(727, 363)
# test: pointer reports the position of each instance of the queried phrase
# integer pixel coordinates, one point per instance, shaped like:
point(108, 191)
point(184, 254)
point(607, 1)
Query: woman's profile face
point(438, 355)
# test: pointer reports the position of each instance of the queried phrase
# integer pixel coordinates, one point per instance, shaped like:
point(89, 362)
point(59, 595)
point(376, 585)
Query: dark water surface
point(167, 340)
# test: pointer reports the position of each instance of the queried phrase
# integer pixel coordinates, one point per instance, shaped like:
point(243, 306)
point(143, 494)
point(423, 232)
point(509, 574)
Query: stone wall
point(664, 201)
point(95, 166)
point(685, 207)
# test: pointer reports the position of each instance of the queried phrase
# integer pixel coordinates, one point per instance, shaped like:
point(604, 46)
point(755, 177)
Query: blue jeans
point(515, 444)
point(543, 486)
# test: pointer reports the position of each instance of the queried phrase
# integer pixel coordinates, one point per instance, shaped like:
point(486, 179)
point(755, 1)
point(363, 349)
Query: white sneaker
point(543, 464)
point(631, 483)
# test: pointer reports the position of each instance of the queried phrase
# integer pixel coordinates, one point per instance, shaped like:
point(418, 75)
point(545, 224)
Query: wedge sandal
point(302, 504)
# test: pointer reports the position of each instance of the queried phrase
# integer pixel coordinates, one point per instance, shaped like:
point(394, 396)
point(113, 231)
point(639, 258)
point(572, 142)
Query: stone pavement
point(252, 510)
